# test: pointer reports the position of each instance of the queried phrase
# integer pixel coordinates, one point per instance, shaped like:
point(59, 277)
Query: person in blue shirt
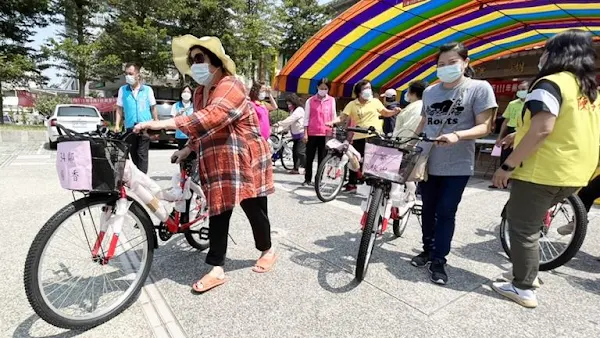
point(183, 107)
point(136, 104)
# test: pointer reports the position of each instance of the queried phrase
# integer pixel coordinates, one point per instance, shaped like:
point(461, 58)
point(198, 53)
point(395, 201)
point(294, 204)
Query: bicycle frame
point(150, 193)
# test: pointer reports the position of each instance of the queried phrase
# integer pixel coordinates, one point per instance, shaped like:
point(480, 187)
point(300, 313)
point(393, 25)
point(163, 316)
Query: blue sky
point(50, 31)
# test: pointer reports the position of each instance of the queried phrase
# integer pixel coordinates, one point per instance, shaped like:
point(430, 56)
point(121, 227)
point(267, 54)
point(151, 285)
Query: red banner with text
point(505, 88)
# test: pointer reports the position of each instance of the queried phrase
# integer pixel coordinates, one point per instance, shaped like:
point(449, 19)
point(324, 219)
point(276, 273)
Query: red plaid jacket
point(234, 160)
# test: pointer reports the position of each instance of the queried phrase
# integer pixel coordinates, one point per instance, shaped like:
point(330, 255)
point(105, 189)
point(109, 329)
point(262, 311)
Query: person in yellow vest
point(364, 112)
point(511, 115)
point(556, 151)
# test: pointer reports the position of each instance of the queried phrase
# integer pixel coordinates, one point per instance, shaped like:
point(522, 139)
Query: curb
point(22, 136)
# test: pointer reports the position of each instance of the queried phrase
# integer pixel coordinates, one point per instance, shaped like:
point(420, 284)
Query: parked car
point(166, 136)
point(80, 118)
point(7, 119)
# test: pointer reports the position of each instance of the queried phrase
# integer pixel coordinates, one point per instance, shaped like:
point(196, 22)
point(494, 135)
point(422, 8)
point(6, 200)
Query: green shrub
point(277, 115)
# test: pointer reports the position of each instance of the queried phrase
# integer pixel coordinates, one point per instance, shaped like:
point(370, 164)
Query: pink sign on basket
point(74, 165)
point(382, 161)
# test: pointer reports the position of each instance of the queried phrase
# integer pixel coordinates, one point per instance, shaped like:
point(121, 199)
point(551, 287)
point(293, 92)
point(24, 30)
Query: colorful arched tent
point(393, 42)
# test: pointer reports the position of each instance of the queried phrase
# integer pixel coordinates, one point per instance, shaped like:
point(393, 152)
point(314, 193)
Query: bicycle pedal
point(203, 233)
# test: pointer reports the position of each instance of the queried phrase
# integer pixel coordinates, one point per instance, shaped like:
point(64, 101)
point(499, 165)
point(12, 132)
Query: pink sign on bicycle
point(382, 162)
point(74, 165)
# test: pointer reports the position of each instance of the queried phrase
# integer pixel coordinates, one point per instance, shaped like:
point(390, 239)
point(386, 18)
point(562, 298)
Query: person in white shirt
point(295, 122)
point(408, 120)
point(406, 123)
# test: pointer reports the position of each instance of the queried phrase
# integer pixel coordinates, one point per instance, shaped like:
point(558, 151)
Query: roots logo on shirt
point(437, 112)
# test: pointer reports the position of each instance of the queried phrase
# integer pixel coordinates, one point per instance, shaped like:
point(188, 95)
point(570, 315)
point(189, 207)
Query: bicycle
point(281, 148)
point(97, 165)
point(334, 166)
point(548, 259)
point(387, 161)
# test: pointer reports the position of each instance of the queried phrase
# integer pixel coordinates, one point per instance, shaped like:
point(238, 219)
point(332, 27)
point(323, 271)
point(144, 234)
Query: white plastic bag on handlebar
point(351, 157)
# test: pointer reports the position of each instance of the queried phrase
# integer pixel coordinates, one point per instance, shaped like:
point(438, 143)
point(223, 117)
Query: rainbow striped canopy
point(393, 42)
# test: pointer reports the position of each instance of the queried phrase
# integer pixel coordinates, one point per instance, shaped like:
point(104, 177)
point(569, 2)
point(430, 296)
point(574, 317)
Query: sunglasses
point(198, 58)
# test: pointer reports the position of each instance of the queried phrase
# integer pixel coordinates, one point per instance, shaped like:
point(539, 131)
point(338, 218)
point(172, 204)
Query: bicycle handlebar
point(101, 131)
point(372, 131)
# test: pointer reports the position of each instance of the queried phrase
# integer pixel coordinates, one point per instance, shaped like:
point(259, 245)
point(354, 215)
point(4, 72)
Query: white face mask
point(185, 96)
point(262, 96)
point(366, 94)
point(406, 97)
point(130, 79)
point(450, 73)
point(522, 94)
point(323, 92)
point(201, 74)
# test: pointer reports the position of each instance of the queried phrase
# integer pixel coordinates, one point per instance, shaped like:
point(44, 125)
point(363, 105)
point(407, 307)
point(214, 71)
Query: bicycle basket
point(389, 160)
point(90, 164)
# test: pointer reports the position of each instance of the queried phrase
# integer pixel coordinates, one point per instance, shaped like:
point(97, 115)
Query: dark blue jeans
point(441, 196)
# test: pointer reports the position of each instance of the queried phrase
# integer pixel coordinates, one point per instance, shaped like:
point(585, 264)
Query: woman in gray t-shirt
point(459, 110)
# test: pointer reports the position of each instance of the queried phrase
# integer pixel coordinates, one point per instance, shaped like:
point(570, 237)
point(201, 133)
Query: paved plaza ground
point(312, 291)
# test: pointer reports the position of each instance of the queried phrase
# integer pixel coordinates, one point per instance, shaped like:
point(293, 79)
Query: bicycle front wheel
point(555, 249)
point(71, 284)
point(369, 235)
point(330, 178)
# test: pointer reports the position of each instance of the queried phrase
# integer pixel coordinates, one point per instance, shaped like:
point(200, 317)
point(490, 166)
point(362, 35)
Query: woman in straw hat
point(234, 161)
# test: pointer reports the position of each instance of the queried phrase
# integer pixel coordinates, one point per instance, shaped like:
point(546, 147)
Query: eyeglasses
point(198, 58)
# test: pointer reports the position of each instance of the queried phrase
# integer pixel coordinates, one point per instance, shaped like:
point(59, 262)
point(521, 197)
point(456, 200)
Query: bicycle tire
point(287, 144)
point(580, 231)
point(196, 243)
point(319, 175)
point(366, 244)
point(32, 263)
point(399, 225)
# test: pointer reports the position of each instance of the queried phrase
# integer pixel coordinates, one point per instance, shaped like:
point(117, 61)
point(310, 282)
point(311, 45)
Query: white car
point(77, 117)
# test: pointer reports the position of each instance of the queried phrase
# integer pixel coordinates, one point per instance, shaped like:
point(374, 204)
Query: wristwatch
point(506, 167)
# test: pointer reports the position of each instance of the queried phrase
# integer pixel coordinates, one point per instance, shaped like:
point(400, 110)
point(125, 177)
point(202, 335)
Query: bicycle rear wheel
point(49, 271)
point(400, 224)
point(287, 154)
point(197, 234)
point(555, 252)
point(329, 170)
point(369, 235)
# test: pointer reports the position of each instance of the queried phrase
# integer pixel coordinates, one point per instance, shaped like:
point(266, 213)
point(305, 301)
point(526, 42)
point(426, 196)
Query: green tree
point(45, 104)
point(258, 36)
point(136, 32)
point(299, 21)
point(18, 21)
point(75, 50)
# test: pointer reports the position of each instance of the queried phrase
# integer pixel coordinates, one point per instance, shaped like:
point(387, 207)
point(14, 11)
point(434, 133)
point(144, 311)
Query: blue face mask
point(201, 74)
point(450, 73)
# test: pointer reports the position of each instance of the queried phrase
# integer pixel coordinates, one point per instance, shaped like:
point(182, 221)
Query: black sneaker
point(307, 184)
point(421, 260)
point(438, 273)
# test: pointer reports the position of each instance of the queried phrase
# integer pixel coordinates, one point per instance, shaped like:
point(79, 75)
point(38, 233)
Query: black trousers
point(140, 145)
point(359, 145)
point(315, 145)
point(590, 193)
point(299, 154)
point(218, 229)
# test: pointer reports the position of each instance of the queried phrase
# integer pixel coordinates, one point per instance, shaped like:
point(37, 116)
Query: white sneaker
point(566, 229)
point(508, 276)
point(524, 298)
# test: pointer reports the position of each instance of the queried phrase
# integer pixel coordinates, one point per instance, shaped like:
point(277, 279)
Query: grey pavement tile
point(313, 279)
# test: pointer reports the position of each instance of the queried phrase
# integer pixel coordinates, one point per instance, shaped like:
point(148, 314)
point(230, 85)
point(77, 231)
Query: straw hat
point(181, 47)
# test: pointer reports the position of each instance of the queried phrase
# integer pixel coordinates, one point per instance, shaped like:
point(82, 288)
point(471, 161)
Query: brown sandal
point(265, 263)
point(208, 282)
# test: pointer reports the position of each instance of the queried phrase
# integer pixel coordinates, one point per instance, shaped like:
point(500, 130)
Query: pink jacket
point(319, 111)
point(263, 119)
